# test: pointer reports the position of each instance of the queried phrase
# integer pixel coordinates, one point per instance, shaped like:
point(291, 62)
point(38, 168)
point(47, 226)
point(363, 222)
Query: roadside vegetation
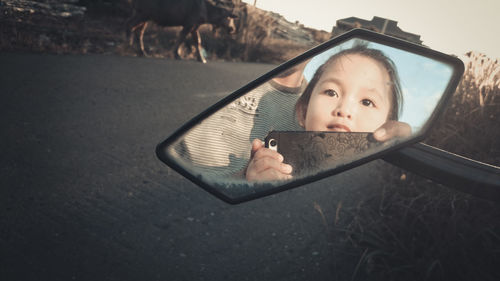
point(409, 228)
point(98, 26)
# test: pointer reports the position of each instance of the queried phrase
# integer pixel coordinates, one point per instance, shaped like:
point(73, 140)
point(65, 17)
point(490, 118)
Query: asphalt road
point(83, 196)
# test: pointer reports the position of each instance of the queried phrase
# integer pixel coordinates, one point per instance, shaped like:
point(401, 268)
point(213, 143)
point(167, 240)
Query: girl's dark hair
point(363, 50)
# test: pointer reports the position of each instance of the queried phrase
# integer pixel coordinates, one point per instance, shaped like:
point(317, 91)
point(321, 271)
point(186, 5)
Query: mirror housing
point(234, 191)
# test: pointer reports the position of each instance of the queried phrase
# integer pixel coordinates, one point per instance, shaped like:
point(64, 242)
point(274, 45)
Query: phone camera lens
point(272, 142)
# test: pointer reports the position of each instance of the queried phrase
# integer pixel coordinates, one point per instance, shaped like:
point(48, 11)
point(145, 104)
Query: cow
point(189, 14)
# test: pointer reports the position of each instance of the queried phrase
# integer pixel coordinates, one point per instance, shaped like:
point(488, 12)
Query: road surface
point(83, 196)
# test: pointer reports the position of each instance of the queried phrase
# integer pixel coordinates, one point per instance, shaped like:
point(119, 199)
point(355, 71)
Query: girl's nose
point(343, 110)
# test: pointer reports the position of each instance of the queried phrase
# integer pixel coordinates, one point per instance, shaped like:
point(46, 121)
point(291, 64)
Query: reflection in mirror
point(219, 148)
point(423, 80)
point(348, 102)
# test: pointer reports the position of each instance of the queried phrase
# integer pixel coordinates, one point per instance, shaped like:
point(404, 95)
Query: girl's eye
point(331, 93)
point(367, 102)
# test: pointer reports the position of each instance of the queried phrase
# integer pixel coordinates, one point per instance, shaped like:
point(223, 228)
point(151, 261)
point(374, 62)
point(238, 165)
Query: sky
point(449, 26)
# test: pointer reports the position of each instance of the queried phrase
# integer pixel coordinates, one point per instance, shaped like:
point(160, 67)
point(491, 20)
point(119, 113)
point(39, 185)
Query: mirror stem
point(464, 174)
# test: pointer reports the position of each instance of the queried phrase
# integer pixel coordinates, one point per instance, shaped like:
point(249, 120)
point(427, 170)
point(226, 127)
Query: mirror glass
point(314, 116)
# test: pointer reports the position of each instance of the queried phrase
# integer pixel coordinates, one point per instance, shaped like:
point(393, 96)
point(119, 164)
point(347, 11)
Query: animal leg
point(142, 37)
point(131, 33)
point(196, 36)
point(182, 37)
point(136, 21)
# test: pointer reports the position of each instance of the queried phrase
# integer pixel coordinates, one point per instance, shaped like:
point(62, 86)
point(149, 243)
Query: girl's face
point(352, 95)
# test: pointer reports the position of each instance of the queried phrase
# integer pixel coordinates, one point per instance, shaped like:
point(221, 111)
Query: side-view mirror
point(341, 104)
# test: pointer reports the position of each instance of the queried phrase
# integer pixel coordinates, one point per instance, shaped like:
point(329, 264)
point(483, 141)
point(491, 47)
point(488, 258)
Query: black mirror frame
point(454, 62)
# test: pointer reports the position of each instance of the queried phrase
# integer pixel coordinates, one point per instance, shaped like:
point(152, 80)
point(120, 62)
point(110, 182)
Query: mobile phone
point(312, 151)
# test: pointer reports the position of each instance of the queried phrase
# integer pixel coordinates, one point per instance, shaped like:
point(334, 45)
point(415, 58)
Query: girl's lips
point(338, 128)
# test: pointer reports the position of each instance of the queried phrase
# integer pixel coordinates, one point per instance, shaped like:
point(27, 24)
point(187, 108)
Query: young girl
point(355, 90)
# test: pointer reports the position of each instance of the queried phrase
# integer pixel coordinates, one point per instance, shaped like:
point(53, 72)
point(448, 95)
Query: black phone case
point(310, 151)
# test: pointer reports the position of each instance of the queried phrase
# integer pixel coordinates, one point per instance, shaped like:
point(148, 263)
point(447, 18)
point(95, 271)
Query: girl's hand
point(266, 164)
point(392, 129)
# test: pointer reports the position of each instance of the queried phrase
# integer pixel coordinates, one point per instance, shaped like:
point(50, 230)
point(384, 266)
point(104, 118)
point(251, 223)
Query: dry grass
point(470, 125)
point(417, 230)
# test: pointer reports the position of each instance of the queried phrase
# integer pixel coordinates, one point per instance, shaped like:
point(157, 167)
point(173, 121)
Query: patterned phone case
point(311, 152)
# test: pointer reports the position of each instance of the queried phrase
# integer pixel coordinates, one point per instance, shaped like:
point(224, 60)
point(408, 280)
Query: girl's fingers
point(266, 152)
point(272, 174)
point(264, 166)
point(264, 163)
point(256, 145)
point(392, 129)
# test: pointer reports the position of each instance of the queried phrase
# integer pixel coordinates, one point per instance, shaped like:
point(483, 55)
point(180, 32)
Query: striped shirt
point(221, 144)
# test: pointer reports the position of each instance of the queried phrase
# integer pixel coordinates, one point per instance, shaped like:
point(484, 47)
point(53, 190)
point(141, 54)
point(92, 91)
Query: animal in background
point(189, 14)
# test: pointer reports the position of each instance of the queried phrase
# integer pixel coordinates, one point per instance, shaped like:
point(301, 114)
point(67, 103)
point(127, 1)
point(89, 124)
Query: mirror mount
point(464, 174)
